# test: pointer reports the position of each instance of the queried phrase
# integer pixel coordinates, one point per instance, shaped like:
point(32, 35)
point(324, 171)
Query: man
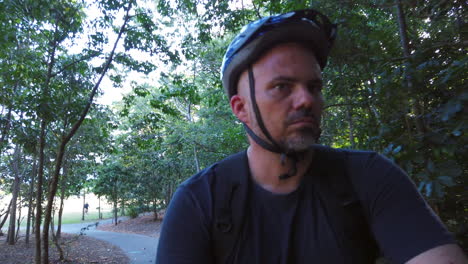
point(292, 212)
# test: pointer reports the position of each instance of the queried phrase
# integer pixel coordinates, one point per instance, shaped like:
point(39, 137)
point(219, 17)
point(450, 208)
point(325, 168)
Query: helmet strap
point(273, 146)
point(258, 115)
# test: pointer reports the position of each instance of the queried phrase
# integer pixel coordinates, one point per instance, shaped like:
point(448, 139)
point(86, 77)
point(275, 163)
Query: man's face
point(288, 88)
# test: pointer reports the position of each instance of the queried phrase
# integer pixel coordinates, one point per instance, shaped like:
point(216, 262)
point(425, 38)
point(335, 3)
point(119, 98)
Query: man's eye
point(281, 87)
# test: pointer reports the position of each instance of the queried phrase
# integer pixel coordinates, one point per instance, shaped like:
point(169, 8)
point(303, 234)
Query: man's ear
point(239, 108)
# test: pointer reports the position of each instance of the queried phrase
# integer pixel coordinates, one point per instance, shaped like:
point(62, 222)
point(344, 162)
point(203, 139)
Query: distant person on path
point(287, 199)
point(86, 206)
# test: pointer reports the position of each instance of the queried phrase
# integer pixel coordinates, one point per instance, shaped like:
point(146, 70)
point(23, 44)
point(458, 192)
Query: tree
point(112, 183)
point(11, 238)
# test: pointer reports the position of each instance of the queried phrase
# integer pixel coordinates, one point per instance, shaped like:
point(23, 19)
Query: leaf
point(141, 91)
point(456, 133)
point(396, 150)
point(429, 189)
point(388, 149)
point(421, 186)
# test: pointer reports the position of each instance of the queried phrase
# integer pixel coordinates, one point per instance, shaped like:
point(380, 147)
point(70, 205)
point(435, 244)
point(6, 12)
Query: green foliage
point(132, 211)
point(112, 181)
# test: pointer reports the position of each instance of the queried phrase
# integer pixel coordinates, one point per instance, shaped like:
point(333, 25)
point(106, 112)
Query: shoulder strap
point(342, 205)
point(229, 202)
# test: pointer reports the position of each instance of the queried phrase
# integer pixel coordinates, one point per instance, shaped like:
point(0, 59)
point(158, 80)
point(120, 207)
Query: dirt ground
point(77, 250)
point(143, 225)
point(82, 249)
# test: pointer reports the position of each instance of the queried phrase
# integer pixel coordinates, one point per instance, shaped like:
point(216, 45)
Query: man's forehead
point(276, 63)
point(287, 59)
point(288, 48)
point(285, 78)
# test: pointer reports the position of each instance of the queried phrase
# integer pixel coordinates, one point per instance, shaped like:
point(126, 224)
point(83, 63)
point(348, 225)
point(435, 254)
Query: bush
point(132, 212)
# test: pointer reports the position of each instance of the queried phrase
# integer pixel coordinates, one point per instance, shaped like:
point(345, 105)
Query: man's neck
point(266, 167)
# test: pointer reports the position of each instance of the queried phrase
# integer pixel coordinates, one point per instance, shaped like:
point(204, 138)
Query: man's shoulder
point(362, 167)
point(365, 157)
point(207, 176)
point(199, 183)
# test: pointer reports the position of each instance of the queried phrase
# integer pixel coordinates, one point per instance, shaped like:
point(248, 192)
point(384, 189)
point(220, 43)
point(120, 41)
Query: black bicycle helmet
point(307, 26)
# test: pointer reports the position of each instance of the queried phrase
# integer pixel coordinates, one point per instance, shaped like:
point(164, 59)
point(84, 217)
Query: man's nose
point(306, 98)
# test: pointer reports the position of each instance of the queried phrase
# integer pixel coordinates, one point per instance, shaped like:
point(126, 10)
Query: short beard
point(302, 140)
point(305, 137)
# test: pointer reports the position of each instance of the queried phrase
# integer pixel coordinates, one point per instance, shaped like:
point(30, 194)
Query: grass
point(71, 218)
point(75, 217)
point(72, 209)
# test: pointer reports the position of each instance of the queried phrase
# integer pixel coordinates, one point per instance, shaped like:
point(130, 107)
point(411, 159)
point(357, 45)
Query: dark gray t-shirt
point(293, 228)
point(286, 228)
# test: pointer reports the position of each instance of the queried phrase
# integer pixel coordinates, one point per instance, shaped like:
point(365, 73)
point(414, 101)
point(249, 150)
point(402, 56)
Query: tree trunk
point(55, 239)
point(33, 219)
point(18, 221)
point(40, 177)
point(167, 191)
point(195, 155)
point(15, 193)
point(351, 127)
point(83, 207)
point(11, 228)
point(62, 197)
point(402, 27)
point(155, 209)
point(50, 202)
point(115, 212)
point(99, 207)
point(30, 200)
point(7, 213)
point(60, 213)
point(6, 128)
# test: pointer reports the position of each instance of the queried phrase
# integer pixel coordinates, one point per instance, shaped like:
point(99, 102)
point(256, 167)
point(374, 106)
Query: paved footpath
point(140, 249)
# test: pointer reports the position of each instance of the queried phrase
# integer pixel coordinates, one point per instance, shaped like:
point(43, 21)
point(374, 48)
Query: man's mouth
point(302, 118)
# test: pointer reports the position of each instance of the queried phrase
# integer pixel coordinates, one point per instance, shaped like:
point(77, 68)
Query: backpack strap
point(342, 205)
point(230, 191)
